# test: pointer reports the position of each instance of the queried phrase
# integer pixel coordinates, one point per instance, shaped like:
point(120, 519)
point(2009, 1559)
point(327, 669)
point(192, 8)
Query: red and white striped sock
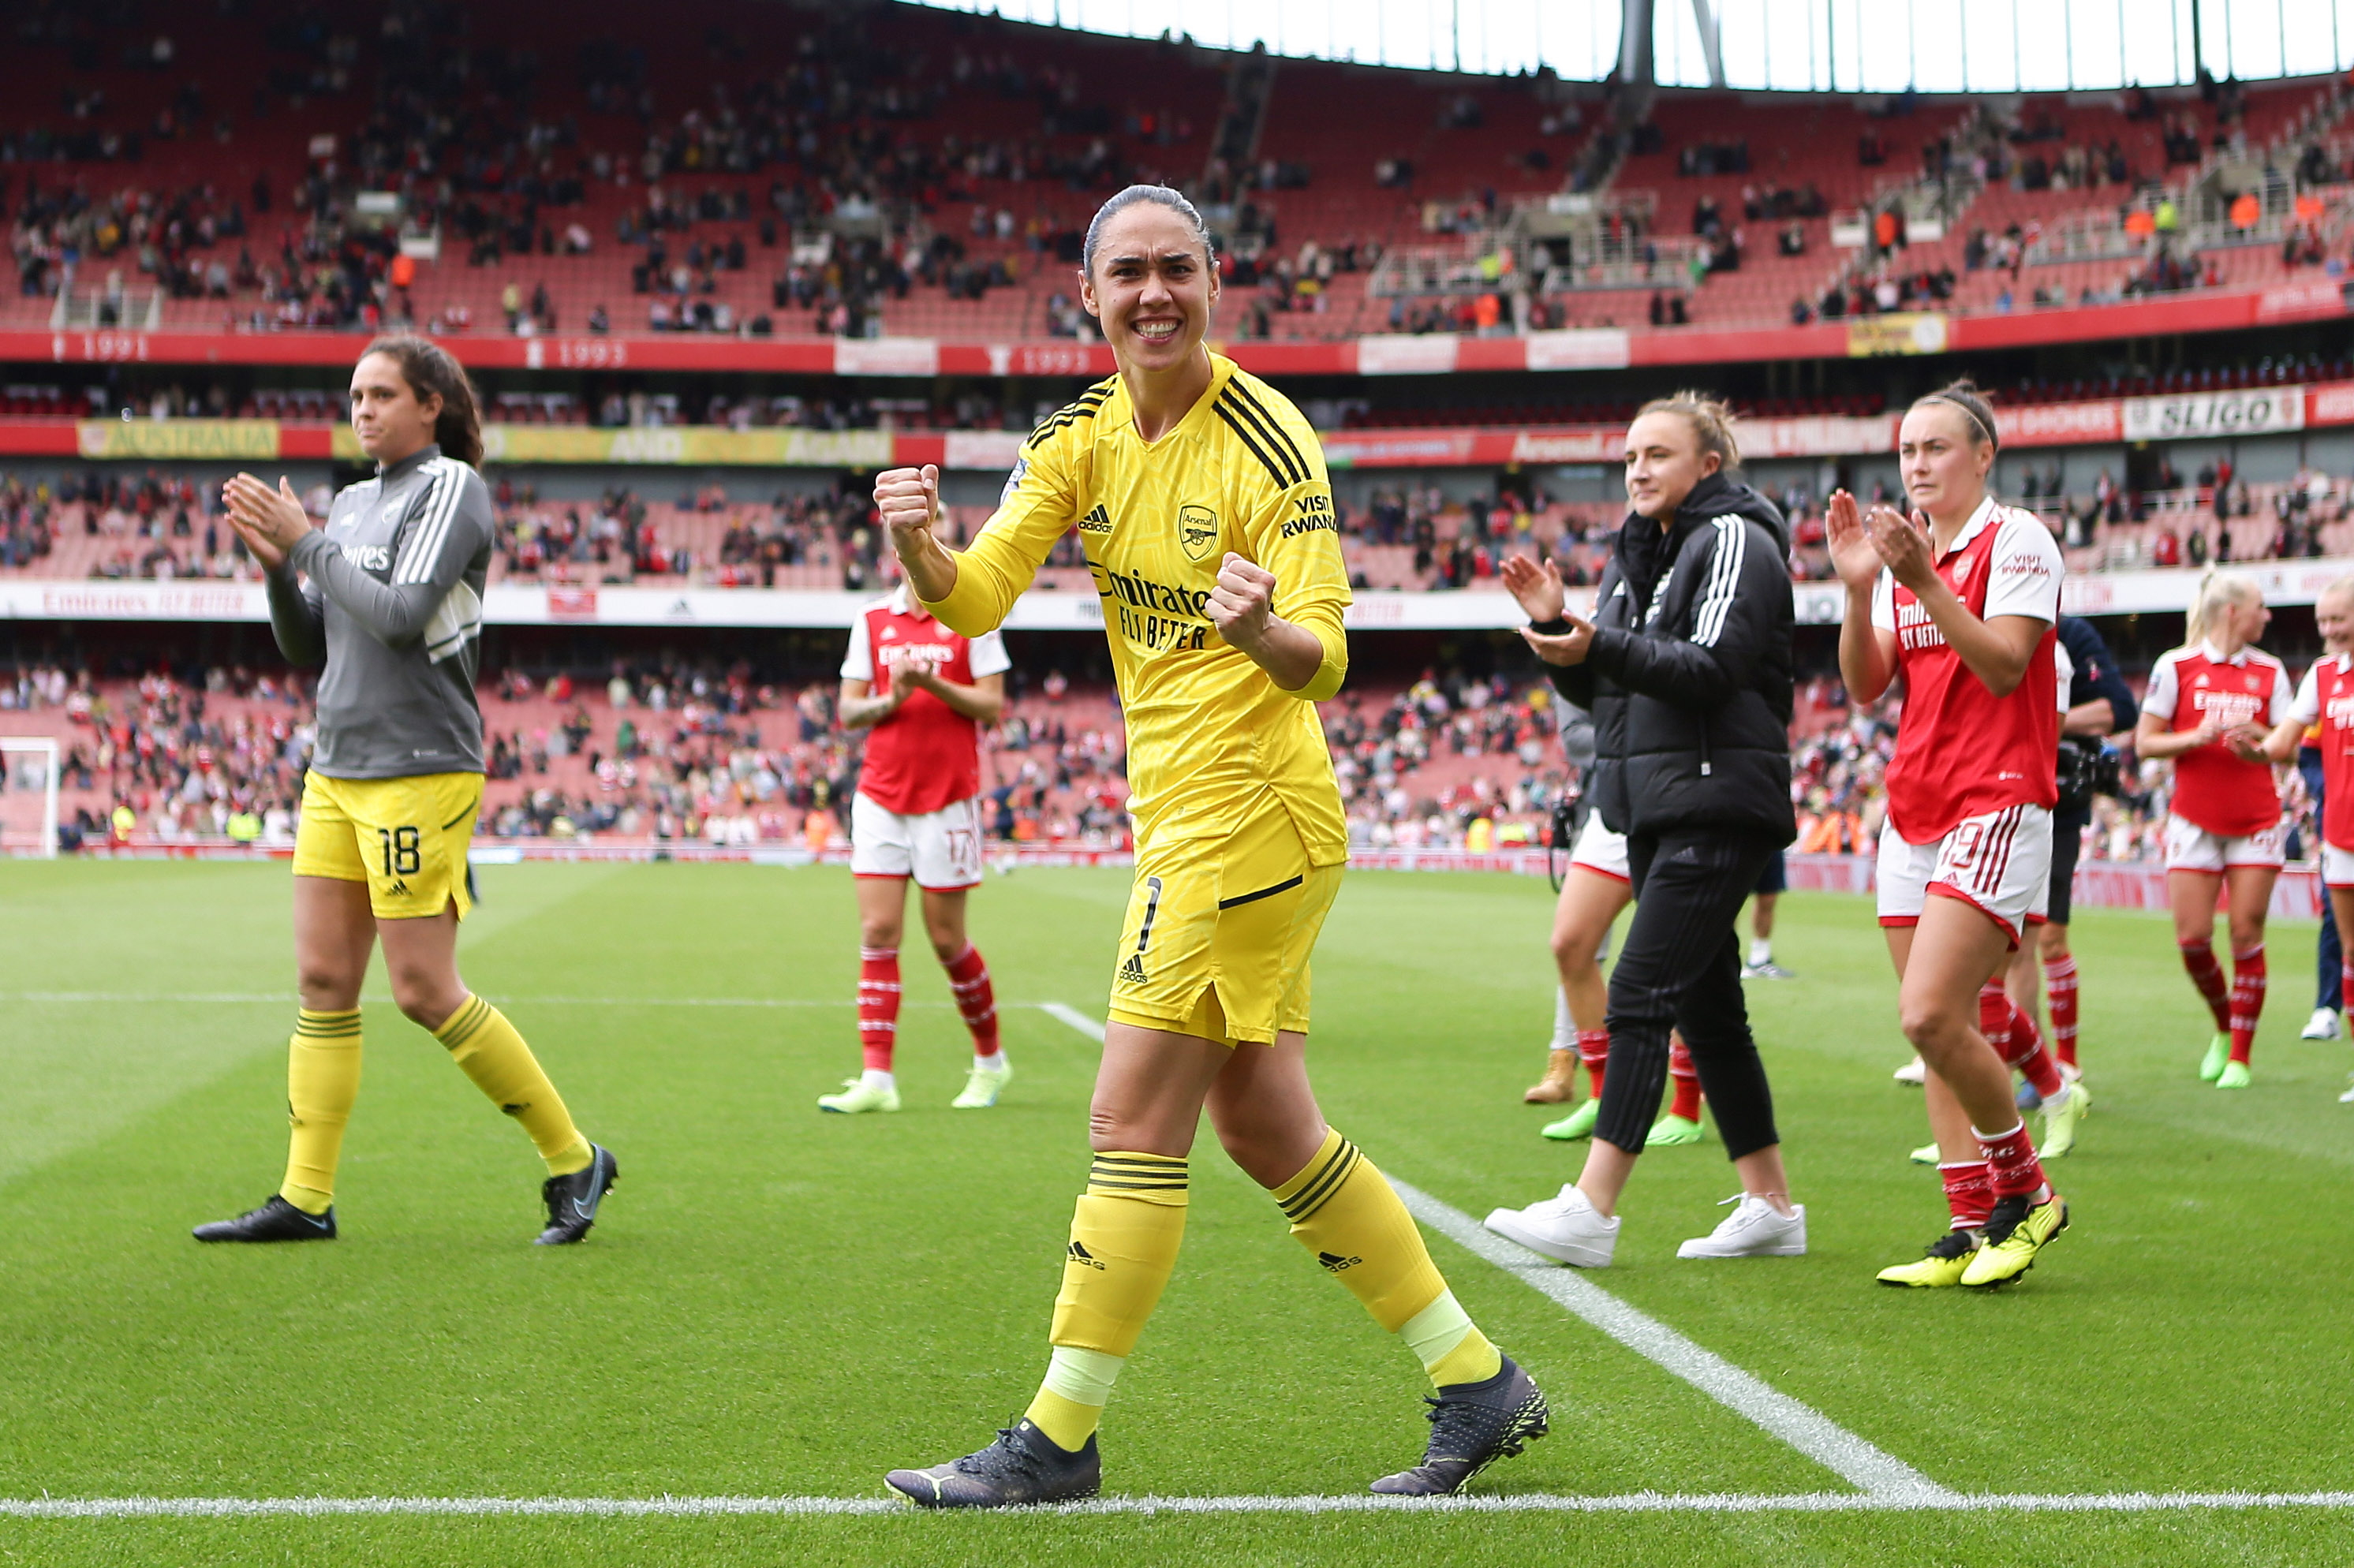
point(1594, 1053)
point(878, 1005)
point(2346, 988)
point(2020, 1047)
point(1969, 1192)
point(2248, 985)
point(1686, 1078)
point(976, 1003)
point(2199, 958)
point(2060, 996)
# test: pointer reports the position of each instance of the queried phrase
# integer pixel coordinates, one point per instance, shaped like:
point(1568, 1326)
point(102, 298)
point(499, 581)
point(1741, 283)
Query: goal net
point(29, 795)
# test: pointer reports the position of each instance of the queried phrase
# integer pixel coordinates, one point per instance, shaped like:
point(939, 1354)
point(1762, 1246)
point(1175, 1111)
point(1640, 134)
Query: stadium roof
point(1847, 46)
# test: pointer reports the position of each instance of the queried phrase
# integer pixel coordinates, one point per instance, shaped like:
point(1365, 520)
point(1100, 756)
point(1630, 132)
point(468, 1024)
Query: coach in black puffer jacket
point(1686, 668)
point(1689, 677)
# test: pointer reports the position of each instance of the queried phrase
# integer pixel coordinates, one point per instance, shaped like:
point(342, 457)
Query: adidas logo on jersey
point(1333, 1263)
point(1096, 522)
point(1083, 1258)
point(1132, 971)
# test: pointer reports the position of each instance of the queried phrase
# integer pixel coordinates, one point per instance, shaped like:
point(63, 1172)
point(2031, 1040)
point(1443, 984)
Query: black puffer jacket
point(1689, 679)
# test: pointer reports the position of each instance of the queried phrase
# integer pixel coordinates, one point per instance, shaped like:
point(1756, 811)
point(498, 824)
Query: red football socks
point(878, 1005)
point(1969, 1192)
point(2060, 996)
point(2012, 1158)
point(976, 1001)
point(1686, 1076)
point(2247, 1000)
point(2198, 957)
point(1593, 1052)
point(2012, 1035)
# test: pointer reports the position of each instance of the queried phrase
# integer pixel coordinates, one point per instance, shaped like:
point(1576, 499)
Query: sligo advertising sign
point(2248, 411)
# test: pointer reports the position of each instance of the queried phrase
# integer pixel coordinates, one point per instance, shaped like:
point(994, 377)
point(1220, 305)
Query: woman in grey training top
point(389, 599)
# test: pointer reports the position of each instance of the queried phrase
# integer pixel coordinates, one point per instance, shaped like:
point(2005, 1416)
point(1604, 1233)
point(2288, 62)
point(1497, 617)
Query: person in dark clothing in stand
point(1686, 668)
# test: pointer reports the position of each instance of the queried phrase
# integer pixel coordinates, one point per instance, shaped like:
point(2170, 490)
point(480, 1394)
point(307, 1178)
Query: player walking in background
point(1686, 666)
point(1200, 497)
point(391, 605)
point(917, 817)
point(2210, 707)
point(1960, 598)
point(2096, 703)
point(2325, 700)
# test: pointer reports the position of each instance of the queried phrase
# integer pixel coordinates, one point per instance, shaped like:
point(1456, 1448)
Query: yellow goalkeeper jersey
point(1209, 731)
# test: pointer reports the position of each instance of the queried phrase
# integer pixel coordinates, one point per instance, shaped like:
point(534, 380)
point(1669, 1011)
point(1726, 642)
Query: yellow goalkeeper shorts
point(1217, 937)
point(406, 838)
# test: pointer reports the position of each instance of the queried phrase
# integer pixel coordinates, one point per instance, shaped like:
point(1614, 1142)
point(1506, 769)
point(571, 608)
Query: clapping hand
point(1853, 555)
point(1538, 589)
point(1565, 648)
point(270, 522)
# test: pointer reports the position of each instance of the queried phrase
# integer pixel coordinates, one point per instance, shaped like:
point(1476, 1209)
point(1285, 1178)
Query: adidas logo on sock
point(1096, 522)
point(1333, 1263)
point(1132, 971)
point(1081, 1256)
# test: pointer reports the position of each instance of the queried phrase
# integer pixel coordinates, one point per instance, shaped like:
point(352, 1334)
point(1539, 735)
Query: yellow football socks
point(1344, 1210)
point(487, 1048)
point(1125, 1234)
point(322, 1079)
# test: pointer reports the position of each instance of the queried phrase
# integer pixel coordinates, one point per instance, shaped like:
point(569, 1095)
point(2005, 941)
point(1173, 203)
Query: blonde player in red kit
point(925, 691)
point(2212, 704)
point(1961, 599)
point(2326, 699)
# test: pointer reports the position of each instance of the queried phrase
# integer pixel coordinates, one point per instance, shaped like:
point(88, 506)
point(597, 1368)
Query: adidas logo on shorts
point(1132, 971)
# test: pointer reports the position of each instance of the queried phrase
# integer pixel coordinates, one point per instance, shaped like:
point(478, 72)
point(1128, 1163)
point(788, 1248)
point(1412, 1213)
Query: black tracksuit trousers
point(1679, 969)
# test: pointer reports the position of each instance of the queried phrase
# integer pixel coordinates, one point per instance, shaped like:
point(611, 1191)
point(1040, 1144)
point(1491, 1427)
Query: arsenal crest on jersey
point(1197, 531)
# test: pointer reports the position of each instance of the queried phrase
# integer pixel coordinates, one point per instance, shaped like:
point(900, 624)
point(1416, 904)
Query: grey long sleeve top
point(391, 603)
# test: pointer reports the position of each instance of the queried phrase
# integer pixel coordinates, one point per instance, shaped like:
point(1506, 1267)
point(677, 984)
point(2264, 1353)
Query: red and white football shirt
point(2214, 789)
point(926, 755)
point(2327, 698)
point(1961, 751)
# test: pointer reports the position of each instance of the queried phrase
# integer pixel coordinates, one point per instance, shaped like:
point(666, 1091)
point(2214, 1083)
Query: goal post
point(29, 768)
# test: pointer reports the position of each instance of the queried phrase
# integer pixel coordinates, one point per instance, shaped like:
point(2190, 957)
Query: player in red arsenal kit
point(2212, 704)
point(2326, 699)
point(1960, 598)
point(925, 691)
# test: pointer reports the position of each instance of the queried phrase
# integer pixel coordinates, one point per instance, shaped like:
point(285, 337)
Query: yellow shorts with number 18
point(406, 838)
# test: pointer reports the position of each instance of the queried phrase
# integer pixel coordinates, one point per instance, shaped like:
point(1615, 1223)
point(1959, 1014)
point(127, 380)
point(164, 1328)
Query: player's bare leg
point(1589, 903)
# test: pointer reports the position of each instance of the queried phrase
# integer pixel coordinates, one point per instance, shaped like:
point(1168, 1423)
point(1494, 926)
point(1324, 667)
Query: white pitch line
point(1091, 1027)
point(1803, 1428)
point(1623, 1502)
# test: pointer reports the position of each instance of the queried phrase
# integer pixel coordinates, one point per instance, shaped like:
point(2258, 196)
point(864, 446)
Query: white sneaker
point(859, 1097)
point(1755, 1229)
point(1565, 1229)
point(2322, 1025)
point(2348, 1098)
point(1916, 1071)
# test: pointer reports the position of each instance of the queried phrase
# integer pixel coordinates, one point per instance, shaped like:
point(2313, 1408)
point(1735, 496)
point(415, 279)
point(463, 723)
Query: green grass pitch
point(780, 1302)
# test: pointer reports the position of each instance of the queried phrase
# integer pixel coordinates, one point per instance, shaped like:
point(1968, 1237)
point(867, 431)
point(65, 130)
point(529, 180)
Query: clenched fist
point(1240, 605)
point(909, 502)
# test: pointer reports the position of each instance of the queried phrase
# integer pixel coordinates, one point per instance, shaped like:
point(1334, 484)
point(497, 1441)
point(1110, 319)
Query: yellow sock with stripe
point(1344, 1210)
point(488, 1050)
point(1125, 1234)
point(322, 1079)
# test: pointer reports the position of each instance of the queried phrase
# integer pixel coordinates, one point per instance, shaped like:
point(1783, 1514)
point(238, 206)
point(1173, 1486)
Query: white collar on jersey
point(1979, 520)
point(2214, 655)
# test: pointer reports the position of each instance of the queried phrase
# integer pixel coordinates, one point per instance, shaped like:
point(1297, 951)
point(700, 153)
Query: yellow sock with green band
point(488, 1050)
point(322, 1079)
point(1344, 1210)
point(1125, 1232)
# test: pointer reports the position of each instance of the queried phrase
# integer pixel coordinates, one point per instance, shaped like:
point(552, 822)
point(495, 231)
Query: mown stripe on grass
point(1533, 1502)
